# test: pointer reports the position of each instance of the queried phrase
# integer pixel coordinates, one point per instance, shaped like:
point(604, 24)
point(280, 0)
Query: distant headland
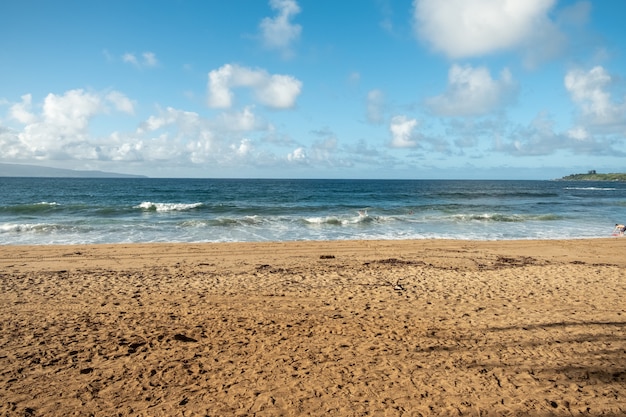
point(594, 176)
point(18, 170)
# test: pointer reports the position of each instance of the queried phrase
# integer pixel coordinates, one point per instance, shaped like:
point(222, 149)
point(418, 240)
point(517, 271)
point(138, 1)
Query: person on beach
point(619, 229)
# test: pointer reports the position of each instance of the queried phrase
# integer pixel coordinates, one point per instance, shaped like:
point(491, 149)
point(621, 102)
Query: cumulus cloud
point(243, 121)
point(11, 148)
point(185, 121)
point(243, 148)
point(145, 60)
point(171, 137)
point(402, 132)
point(464, 28)
point(22, 111)
point(272, 90)
point(71, 111)
point(279, 32)
point(58, 128)
point(590, 90)
point(473, 92)
point(297, 156)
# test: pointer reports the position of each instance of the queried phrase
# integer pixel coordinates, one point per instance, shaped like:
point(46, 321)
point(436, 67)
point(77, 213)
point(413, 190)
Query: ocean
point(54, 211)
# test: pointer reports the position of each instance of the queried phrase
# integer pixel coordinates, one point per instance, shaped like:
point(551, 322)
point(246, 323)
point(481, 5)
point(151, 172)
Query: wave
point(480, 194)
point(361, 218)
point(32, 228)
point(47, 208)
point(506, 218)
point(223, 222)
point(165, 207)
point(31, 208)
point(592, 188)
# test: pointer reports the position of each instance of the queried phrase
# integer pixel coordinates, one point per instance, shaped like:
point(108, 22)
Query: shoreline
point(572, 249)
point(314, 327)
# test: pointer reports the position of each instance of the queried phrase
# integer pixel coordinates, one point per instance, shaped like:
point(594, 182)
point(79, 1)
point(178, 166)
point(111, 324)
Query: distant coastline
point(19, 170)
point(593, 176)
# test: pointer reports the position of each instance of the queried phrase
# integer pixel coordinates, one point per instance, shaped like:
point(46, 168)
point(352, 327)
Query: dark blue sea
point(76, 211)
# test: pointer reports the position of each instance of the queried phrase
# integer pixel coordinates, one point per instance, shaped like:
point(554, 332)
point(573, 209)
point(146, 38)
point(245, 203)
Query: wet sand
point(432, 327)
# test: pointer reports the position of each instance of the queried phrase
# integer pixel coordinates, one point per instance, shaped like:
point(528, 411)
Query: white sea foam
point(592, 188)
point(27, 227)
point(147, 205)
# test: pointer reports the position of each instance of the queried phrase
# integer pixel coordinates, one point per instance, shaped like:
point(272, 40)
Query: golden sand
point(387, 328)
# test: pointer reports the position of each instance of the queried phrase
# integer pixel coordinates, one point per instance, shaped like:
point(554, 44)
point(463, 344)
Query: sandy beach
point(350, 328)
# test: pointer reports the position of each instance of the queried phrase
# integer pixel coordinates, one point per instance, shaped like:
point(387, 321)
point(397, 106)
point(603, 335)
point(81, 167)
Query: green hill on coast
point(594, 176)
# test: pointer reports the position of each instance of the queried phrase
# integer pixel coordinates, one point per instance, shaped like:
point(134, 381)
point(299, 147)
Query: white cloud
point(272, 90)
point(590, 91)
point(464, 28)
point(185, 122)
point(220, 82)
point(60, 130)
point(146, 60)
point(323, 150)
point(151, 124)
point(61, 124)
point(243, 148)
point(298, 155)
point(149, 59)
point(473, 92)
point(402, 135)
point(375, 106)
point(121, 102)
point(22, 111)
point(326, 152)
point(175, 137)
point(243, 121)
point(130, 58)
point(11, 148)
point(578, 133)
point(71, 112)
point(280, 91)
point(202, 149)
point(541, 138)
point(538, 138)
point(279, 32)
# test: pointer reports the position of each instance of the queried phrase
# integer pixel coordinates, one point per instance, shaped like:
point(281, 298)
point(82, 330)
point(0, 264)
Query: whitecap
point(164, 207)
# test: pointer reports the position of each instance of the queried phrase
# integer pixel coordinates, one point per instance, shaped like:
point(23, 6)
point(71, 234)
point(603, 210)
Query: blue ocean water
point(81, 210)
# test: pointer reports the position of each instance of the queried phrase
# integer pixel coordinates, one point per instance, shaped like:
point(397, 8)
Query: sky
point(423, 89)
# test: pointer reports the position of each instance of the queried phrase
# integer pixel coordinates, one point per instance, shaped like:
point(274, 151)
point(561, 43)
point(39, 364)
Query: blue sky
point(502, 89)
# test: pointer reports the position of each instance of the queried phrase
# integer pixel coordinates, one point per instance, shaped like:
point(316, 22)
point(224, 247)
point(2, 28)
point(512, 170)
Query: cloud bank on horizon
point(372, 89)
